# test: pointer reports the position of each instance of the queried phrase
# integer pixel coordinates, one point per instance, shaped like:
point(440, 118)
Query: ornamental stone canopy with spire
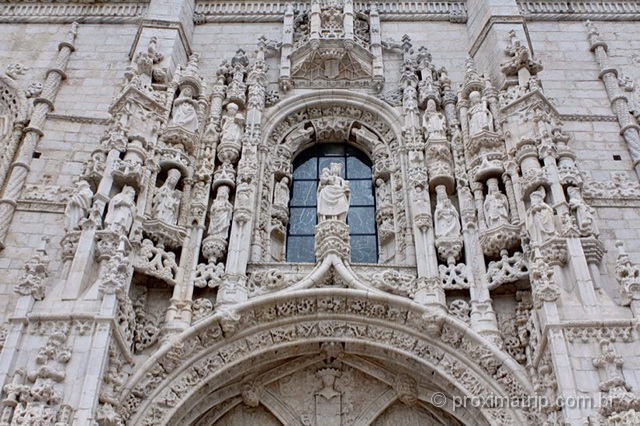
point(319, 213)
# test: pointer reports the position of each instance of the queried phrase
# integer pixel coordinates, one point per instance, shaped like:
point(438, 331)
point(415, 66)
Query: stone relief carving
point(121, 211)
point(166, 200)
point(78, 205)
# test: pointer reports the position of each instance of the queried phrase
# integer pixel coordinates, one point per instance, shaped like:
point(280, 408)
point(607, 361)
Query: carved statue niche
point(185, 111)
point(383, 196)
point(121, 211)
point(447, 219)
point(540, 217)
point(479, 116)
point(220, 214)
point(334, 195)
point(230, 145)
point(78, 205)
point(434, 122)
point(166, 201)
point(585, 214)
point(281, 193)
point(447, 227)
point(496, 205)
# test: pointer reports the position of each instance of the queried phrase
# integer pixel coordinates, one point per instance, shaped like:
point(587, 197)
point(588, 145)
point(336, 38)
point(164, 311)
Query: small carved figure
point(166, 201)
point(281, 193)
point(540, 217)
point(334, 194)
point(434, 121)
point(382, 193)
point(220, 214)
point(121, 211)
point(328, 377)
point(184, 112)
point(496, 205)
point(231, 125)
point(479, 116)
point(584, 213)
point(446, 217)
point(78, 205)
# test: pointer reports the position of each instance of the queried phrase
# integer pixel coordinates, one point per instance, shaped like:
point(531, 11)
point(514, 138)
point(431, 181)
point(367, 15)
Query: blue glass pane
point(333, 149)
point(356, 169)
point(361, 220)
point(304, 193)
point(364, 249)
point(300, 249)
point(326, 163)
point(302, 221)
point(306, 170)
point(361, 192)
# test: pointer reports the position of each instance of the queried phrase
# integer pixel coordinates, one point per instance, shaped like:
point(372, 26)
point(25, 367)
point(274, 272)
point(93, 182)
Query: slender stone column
point(630, 131)
point(33, 133)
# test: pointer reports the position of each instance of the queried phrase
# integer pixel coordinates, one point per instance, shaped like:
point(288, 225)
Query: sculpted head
point(232, 108)
point(475, 97)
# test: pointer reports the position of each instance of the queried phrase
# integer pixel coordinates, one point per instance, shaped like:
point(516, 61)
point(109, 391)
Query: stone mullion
point(33, 133)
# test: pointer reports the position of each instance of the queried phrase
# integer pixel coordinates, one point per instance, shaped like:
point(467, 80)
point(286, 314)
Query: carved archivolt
point(204, 354)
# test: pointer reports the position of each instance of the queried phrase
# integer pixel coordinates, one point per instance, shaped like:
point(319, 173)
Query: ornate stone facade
point(155, 173)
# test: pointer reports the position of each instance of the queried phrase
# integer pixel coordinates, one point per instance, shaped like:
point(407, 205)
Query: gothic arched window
point(307, 168)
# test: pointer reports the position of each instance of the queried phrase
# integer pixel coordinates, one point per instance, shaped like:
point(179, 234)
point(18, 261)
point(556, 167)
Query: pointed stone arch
point(210, 359)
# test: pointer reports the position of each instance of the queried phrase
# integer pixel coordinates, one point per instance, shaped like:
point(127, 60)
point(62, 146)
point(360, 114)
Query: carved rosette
point(501, 237)
point(332, 237)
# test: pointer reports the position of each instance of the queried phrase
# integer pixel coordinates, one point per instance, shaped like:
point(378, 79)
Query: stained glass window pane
point(302, 221)
point(304, 193)
point(357, 169)
point(364, 249)
point(361, 192)
point(361, 220)
point(332, 150)
point(300, 249)
point(306, 170)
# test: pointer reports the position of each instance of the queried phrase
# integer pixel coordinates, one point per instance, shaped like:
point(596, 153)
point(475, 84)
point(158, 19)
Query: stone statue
point(540, 217)
point(584, 213)
point(184, 112)
point(231, 125)
point(382, 193)
point(220, 214)
point(446, 217)
point(434, 121)
point(121, 211)
point(166, 201)
point(281, 193)
point(496, 205)
point(78, 205)
point(479, 116)
point(334, 194)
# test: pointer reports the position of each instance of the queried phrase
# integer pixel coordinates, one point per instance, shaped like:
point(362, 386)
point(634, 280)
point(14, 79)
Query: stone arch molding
point(207, 356)
point(334, 114)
